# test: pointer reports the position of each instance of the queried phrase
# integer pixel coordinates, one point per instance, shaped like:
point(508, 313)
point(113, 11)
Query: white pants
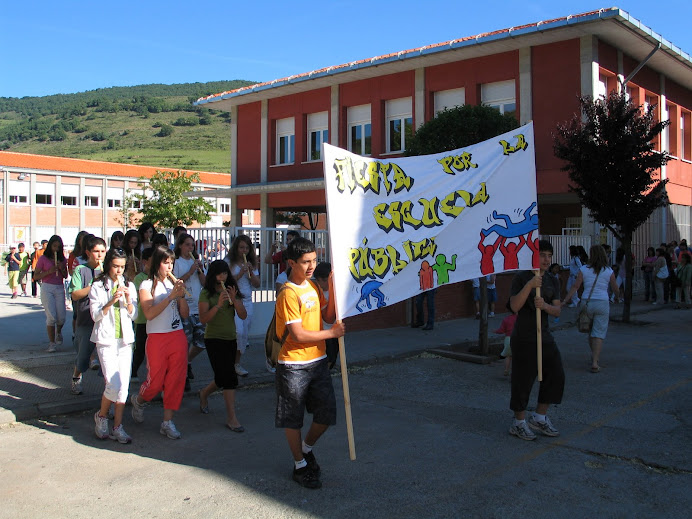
point(242, 327)
point(116, 364)
point(575, 297)
point(53, 300)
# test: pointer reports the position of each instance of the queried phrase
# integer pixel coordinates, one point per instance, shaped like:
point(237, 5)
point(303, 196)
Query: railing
point(214, 243)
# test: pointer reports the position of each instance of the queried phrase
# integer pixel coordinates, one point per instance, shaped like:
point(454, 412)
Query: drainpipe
point(640, 66)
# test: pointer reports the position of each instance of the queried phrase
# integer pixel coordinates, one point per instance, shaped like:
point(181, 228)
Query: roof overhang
point(258, 189)
point(613, 26)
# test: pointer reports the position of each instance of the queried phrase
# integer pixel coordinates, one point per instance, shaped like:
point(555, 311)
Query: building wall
point(249, 139)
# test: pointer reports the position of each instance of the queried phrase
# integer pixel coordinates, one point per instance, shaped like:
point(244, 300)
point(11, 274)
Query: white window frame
point(224, 207)
point(359, 117)
point(285, 141)
point(452, 98)
point(91, 192)
point(500, 95)
point(71, 197)
point(19, 188)
point(44, 189)
point(114, 197)
point(398, 111)
point(71, 191)
point(318, 125)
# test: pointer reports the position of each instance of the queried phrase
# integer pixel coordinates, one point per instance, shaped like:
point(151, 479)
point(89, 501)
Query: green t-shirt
point(138, 281)
point(24, 259)
point(222, 326)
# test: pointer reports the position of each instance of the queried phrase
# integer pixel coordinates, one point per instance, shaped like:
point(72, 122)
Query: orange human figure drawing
point(425, 276)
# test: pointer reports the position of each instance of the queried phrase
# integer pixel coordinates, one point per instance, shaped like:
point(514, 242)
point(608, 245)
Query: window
point(136, 204)
point(445, 99)
point(602, 87)
point(359, 130)
point(225, 208)
point(685, 136)
point(91, 201)
point(317, 134)
point(665, 134)
point(68, 200)
point(18, 199)
point(500, 95)
point(114, 203)
point(285, 141)
point(44, 199)
point(399, 124)
point(114, 197)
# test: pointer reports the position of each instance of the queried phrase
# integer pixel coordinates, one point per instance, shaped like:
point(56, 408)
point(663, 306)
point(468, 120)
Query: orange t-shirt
point(300, 304)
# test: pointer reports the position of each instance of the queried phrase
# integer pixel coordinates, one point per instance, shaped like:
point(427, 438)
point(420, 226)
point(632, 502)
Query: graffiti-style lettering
point(457, 163)
point(416, 250)
point(521, 144)
point(397, 214)
point(370, 176)
point(365, 262)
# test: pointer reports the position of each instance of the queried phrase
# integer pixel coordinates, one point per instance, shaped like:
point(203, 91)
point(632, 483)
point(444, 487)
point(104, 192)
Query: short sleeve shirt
point(140, 319)
point(181, 267)
point(525, 327)
point(169, 320)
point(222, 325)
point(82, 277)
point(300, 304)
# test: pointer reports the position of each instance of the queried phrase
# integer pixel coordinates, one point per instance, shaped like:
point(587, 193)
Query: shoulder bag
point(584, 322)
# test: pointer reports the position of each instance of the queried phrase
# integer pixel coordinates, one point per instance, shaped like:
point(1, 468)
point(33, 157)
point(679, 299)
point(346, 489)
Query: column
point(419, 101)
point(525, 99)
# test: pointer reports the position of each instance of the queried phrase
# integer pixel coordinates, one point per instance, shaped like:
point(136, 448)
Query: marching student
point(524, 302)
point(140, 321)
point(189, 269)
point(302, 374)
point(243, 262)
point(51, 270)
point(164, 306)
point(219, 303)
point(83, 324)
point(113, 306)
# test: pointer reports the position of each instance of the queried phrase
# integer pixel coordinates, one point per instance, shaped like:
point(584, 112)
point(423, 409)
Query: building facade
point(536, 71)
point(43, 195)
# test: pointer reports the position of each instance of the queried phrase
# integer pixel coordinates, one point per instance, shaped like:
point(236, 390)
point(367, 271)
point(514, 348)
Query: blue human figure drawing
point(371, 289)
point(514, 229)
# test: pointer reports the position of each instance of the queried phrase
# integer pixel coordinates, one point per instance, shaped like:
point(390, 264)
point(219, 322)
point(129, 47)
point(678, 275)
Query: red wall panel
point(248, 151)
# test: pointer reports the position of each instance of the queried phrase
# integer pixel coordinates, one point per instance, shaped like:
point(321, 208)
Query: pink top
point(507, 325)
point(46, 264)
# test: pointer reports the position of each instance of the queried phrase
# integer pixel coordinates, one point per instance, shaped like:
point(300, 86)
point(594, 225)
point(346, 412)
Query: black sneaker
point(187, 384)
point(190, 375)
point(306, 478)
point(312, 463)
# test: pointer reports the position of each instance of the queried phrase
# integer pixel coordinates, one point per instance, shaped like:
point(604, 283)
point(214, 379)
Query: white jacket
point(104, 325)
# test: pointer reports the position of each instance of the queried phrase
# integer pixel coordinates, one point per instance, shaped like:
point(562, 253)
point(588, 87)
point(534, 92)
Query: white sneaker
point(101, 427)
point(545, 427)
point(58, 338)
point(118, 433)
point(522, 431)
point(168, 428)
point(52, 348)
point(240, 371)
point(137, 410)
point(76, 386)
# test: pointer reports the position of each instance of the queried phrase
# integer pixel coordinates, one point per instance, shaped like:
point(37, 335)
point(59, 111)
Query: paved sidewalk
point(34, 383)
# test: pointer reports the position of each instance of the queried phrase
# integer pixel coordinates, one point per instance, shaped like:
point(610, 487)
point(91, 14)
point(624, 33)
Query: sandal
point(238, 429)
point(204, 409)
point(595, 369)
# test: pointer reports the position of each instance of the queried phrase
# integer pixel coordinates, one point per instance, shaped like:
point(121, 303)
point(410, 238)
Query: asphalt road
point(431, 439)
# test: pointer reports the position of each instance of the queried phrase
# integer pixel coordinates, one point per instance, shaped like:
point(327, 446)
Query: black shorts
point(221, 354)
point(304, 386)
point(525, 371)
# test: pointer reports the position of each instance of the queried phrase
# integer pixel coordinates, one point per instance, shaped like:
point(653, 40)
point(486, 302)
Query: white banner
point(402, 226)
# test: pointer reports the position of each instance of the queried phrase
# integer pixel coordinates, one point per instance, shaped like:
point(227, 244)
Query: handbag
point(584, 322)
point(662, 273)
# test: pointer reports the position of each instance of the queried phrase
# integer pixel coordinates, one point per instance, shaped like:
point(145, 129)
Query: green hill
point(153, 125)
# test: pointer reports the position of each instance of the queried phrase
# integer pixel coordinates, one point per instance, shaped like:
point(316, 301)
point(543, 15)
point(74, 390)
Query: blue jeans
point(83, 346)
point(430, 296)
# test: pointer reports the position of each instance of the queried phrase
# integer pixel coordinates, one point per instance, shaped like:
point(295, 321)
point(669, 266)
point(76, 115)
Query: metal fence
point(213, 243)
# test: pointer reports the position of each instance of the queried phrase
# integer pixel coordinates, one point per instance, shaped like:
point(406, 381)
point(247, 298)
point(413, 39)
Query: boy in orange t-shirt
point(302, 374)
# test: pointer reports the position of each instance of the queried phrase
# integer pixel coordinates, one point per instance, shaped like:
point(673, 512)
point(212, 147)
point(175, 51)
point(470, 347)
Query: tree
point(613, 166)
point(457, 128)
point(165, 131)
point(167, 207)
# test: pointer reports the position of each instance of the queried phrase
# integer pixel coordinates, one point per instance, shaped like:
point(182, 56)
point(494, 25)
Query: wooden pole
point(347, 400)
point(539, 335)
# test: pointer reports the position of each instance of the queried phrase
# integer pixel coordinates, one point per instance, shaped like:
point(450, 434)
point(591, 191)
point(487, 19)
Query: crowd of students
point(138, 298)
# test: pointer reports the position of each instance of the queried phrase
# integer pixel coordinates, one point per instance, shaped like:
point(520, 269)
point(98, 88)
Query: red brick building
point(536, 71)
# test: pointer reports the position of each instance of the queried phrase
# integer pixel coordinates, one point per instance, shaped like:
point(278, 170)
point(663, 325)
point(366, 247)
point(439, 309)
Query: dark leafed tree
point(613, 167)
point(457, 128)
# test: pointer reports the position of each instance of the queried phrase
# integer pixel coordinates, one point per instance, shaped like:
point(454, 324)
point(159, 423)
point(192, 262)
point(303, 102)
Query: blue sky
point(73, 46)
